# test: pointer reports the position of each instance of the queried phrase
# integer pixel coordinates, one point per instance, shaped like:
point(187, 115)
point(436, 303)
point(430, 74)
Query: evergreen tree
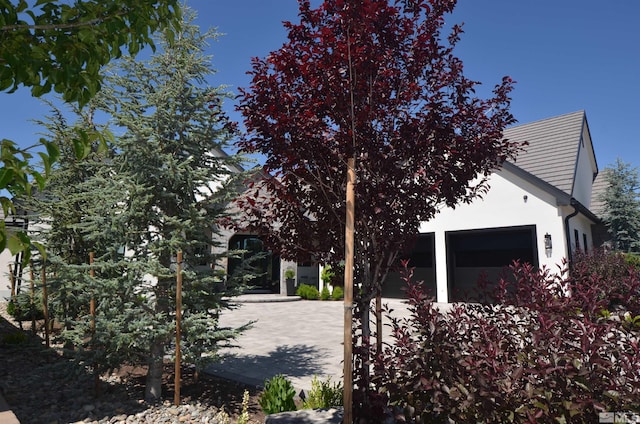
point(160, 190)
point(63, 46)
point(56, 213)
point(622, 206)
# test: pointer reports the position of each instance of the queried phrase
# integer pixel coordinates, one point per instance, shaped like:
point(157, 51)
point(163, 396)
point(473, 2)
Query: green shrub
point(323, 394)
point(277, 396)
point(308, 292)
point(325, 294)
point(327, 275)
point(11, 308)
point(337, 293)
point(632, 259)
point(23, 308)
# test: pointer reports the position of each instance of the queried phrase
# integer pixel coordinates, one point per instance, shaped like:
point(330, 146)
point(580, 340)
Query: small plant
point(289, 274)
point(244, 416)
point(222, 418)
point(325, 294)
point(327, 275)
point(323, 394)
point(308, 292)
point(278, 395)
point(11, 308)
point(337, 293)
point(23, 308)
point(632, 259)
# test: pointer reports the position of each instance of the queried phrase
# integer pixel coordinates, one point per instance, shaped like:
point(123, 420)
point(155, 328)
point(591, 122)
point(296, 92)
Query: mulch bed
point(17, 360)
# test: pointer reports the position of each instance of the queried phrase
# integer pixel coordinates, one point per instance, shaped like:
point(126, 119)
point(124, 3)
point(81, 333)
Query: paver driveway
point(298, 339)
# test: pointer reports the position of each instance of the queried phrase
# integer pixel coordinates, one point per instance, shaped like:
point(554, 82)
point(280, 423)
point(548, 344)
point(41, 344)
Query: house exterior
point(541, 208)
point(538, 209)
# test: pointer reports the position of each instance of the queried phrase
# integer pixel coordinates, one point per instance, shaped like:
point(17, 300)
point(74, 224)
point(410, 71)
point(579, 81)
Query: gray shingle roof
point(552, 152)
point(599, 187)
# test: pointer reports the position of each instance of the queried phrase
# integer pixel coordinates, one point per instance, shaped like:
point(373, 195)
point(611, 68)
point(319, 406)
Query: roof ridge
point(553, 145)
point(564, 115)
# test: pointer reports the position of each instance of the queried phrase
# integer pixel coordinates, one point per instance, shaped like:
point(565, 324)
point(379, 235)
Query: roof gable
point(600, 185)
point(552, 150)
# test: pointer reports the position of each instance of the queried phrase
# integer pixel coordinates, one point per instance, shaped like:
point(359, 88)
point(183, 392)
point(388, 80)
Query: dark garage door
point(421, 257)
point(471, 253)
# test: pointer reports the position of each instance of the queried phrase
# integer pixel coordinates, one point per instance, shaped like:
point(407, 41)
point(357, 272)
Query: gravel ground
point(43, 387)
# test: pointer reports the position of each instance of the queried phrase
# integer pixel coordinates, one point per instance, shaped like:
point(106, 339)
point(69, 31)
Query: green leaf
point(3, 236)
point(41, 249)
point(40, 180)
point(81, 148)
point(46, 163)
point(7, 206)
point(52, 150)
point(6, 176)
point(16, 243)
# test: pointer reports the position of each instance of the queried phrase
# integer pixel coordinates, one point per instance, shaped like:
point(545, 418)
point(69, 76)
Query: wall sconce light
point(548, 246)
point(525, 198)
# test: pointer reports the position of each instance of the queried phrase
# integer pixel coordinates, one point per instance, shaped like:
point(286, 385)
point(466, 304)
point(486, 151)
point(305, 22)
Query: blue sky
point(565, 55)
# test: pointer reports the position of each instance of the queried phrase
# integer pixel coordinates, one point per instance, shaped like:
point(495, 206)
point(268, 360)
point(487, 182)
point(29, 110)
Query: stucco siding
point(586, 169)
point(6, 258)
point(583, 227)
point(511, 202)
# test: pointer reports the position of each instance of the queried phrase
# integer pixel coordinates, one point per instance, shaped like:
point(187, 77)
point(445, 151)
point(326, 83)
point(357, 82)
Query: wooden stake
point(176, 397)
point(92, 312)
point(12, 280)
point(378, 322)
point(45, 306)
point(92, 302)
point(348, 293)
point(18, 313)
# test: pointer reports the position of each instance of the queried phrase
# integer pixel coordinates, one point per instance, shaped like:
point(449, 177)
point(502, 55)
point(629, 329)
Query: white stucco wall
point(583, 225)
point(504, 205)
point(586, 167)
point(6, 258)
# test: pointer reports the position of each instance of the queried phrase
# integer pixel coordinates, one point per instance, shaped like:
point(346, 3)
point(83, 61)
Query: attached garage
point(471, 253)
point(422, 258)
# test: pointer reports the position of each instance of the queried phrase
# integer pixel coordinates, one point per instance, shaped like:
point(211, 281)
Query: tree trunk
point(153, 388)
point(364, 379)
point(378, 322)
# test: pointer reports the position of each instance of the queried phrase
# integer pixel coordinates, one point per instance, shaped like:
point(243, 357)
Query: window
point(584, 241)
point(576, 237)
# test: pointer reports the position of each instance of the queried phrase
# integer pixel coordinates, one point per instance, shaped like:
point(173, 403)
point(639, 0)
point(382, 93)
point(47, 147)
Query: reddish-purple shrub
point(550, 350)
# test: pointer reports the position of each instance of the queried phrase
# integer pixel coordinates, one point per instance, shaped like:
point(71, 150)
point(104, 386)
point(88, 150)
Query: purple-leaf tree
point(377, 81)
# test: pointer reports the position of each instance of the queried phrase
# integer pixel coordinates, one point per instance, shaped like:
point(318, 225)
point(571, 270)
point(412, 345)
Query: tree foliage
point(622, 206)
point(55, 45)
point(376, 80)
point(157, 191)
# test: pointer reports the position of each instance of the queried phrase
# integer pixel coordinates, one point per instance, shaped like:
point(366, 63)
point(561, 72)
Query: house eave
point(562, 198)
